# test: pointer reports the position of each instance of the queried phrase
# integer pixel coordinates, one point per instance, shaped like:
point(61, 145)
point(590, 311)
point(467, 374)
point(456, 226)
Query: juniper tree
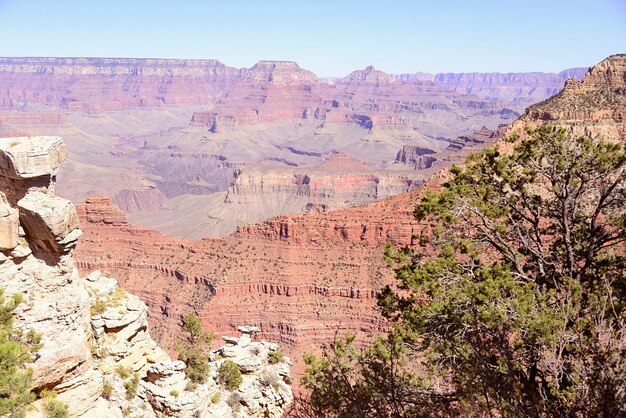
point(16, 350)
point(191, 348)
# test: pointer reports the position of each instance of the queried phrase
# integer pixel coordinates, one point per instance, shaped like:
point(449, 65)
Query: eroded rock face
point(299, 278)
point(594, 106)
point(28, 157)
point(50, 221)
point(98, 209)
point(55, 302)
point(9, 224)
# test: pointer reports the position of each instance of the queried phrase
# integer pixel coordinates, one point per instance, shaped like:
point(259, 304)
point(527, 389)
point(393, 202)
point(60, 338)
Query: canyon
point(181, 145)
point(304, 278)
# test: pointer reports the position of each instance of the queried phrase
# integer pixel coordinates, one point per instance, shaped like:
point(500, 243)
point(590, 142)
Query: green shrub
point(98, 307)
point(274, 357)
point(131, 386)
point(107, 390)
point(122, 371)
point(216, 397)
point(55, 409)
point(190, 350)
point(174, 393)
point(229, 375)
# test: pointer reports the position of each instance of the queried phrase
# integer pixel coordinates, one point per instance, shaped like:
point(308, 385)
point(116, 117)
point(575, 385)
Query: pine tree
point(191, 349)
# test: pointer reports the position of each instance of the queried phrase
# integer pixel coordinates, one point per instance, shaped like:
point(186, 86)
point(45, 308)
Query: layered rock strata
point(303, 278)
point(163, 137)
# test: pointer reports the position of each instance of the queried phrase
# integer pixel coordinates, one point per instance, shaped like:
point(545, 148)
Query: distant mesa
point(368, 75)
point(279, 72)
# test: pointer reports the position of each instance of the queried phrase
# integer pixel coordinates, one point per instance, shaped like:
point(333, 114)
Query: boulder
point(50, 221)
point(9, 224)
point(29, 157)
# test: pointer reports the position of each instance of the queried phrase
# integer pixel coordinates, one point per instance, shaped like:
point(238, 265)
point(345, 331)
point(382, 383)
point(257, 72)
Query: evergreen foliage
point(191, 349)
point(229, 375)
point(16, 349)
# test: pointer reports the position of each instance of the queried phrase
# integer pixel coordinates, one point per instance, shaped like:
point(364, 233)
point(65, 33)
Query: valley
point(195, 148)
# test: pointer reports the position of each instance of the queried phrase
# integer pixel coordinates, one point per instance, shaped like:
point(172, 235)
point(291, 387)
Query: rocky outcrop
point(100, 210)
point(141, 380)
point(27, 158)
point(594, 106)
point(368, 75)
point(279, 72)
point(51, 221)
point(417, 157)
point(97, 353)
point(338, 182)
point(36, 263)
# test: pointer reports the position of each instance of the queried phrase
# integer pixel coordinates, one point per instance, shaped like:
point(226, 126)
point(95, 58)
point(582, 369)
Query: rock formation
point(594, 106)
point(97, 353)
point(130, 361)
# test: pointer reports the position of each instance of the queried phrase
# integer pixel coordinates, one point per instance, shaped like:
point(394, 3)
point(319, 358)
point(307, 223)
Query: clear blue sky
point(330, 38)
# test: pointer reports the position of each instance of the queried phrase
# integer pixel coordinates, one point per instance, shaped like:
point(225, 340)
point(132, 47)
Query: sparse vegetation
point(229, 375)
point(107, 390)
point(103, 302)
point(55, 409)
point(275, 356)
point(16, 349)
point(122, 371)
point(131, 386)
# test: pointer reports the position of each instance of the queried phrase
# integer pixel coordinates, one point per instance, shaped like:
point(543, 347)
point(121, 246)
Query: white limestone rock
point(93, 276)
point(29, 157)
point(20, 252)
point(51, 222)
point(9, 224)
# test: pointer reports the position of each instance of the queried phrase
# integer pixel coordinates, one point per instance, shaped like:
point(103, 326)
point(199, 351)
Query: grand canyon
point(195, 148)
point(167, 150)
point(260, 197)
